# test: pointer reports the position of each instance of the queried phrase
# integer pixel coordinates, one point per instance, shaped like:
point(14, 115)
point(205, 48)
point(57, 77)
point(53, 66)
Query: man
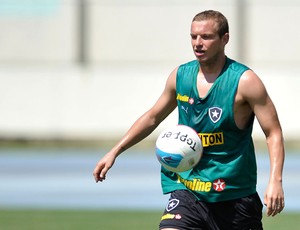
point(224, 96)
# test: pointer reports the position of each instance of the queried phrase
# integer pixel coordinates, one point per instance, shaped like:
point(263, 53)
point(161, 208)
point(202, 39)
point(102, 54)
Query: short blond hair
point(218, 17)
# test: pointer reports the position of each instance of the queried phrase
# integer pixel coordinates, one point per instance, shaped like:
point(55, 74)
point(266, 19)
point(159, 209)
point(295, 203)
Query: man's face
point(206, 43)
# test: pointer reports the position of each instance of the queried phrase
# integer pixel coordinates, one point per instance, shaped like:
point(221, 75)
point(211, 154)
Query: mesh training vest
point(227, 169)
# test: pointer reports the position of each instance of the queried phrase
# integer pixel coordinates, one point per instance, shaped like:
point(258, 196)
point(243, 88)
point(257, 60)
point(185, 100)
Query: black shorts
point(184, 211)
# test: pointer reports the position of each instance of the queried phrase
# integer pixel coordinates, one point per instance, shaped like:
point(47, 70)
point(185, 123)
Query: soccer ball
point(178, 148)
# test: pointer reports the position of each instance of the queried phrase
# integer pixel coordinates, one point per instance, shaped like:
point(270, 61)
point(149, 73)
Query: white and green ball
point(179, 148)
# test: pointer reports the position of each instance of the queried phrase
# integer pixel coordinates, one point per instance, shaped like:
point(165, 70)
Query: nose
point(198, 41)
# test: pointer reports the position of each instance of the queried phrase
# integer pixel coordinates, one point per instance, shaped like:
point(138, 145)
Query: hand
point(274, 199)
point(103, 166)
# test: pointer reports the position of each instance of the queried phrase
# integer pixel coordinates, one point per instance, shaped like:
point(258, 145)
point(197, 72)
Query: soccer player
point(224, 97)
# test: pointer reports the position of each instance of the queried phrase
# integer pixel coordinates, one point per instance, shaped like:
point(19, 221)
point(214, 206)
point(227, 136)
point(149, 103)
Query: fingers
point(103, 166)
point(100, 172)
point(274, 210)
point(274, 206)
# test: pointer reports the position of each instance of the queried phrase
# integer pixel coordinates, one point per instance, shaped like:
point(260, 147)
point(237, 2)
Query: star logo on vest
point(219, 185)
point(172, 204)
point(214, 114)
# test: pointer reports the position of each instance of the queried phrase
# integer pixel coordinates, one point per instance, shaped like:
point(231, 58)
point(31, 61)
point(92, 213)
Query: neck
point(214, 67)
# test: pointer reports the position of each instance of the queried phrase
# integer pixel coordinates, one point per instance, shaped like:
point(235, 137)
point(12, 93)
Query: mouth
point(199, 52)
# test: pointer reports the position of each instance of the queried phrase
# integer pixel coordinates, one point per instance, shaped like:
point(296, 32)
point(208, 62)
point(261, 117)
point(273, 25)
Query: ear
point(225, 38)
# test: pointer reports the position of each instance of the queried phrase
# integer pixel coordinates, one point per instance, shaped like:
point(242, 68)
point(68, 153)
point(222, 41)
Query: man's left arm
point(255, 93)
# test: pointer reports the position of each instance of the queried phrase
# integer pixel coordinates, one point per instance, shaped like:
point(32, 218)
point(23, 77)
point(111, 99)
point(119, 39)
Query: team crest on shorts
point(172, 204)
point(215, 114)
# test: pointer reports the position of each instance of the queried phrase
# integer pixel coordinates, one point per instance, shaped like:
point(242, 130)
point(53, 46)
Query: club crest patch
point(215, 114)
point(172, 204)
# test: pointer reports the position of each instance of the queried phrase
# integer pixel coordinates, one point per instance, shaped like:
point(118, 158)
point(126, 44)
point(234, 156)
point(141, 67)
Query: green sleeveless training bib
point(227, 169)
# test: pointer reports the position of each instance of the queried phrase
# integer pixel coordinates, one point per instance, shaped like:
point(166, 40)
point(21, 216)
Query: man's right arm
point(142, 127)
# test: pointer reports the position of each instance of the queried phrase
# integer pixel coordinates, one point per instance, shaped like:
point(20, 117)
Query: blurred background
point(75, 74)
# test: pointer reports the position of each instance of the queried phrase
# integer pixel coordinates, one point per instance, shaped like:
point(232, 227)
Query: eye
point(193, 36)
point(206, 37)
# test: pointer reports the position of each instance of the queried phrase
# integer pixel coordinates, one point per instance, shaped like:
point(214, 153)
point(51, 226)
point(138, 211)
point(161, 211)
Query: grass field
point(108, 220)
